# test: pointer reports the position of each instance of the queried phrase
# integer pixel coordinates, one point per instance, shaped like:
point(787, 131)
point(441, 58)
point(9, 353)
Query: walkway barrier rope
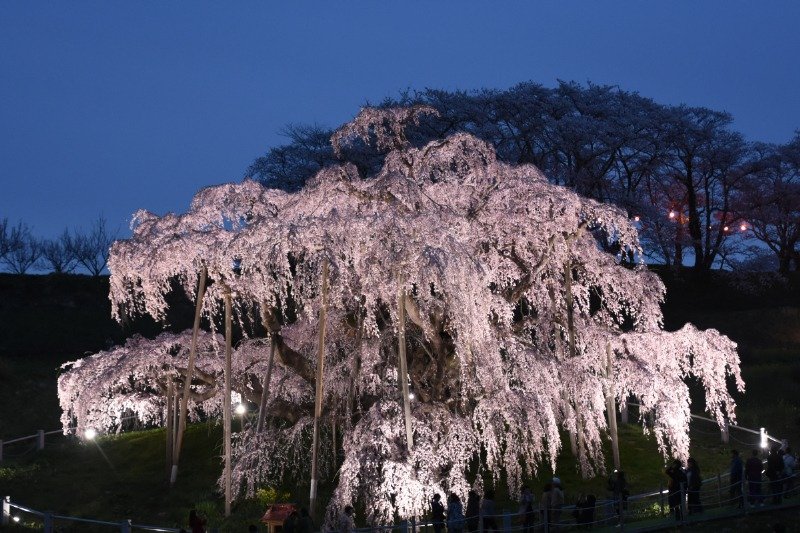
point(717, 498)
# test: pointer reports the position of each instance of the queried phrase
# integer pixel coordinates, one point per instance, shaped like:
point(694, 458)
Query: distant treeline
point(699, 192)
point(22, 252)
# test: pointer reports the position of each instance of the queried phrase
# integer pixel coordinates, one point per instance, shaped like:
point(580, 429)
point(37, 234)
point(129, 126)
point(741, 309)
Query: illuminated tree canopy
point(516, 291)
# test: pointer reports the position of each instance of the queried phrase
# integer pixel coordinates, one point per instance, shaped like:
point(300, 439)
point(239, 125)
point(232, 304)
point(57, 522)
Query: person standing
point(196, 524)
point(290, 522)
point(675, 487)
point(619, 490)
point(775, 474)
point(304, 524)
point(488, 511)
point(455, 514)
point(526, 512)
point(437, 513)
point(694, 482)
point(789, 465)
point(346, 520)
point(544, 504)
point(735, 477)
point(752, 471)
point(473, 511)
point(556, 501)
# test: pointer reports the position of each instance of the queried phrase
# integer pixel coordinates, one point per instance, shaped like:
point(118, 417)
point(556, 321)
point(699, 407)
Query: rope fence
point(717, 498)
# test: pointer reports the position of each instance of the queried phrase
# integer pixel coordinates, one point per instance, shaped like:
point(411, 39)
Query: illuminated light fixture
point(411, 396)
point(90, 434)
point(743, 227)
point(764, 439)
point(672, 214)
point(15, 519)
point(636, 218)
point(726, 228)
point(241, 409)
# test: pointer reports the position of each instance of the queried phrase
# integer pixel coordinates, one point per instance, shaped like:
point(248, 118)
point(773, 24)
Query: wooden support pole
point(201, 290)
point(402, 374)
point(226, 404)
point(577, 448)
point(169, 422)
point(570, 308)
point(262, 406)
point(176, 411)
point(611, 408)
point(323, 311)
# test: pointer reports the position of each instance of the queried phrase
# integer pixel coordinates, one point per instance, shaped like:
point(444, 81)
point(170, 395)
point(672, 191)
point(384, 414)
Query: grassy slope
point(82, 481)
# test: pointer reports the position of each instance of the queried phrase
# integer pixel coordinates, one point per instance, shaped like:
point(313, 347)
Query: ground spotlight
point(90, 434)
point(241, 409)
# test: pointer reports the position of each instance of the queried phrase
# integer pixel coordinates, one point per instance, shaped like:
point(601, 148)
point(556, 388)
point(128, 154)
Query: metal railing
point(639, 512)
point(14, 512)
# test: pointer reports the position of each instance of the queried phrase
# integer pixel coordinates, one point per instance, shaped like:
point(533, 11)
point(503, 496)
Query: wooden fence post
point(624, 411)
point(40, 439)
point(719, 488)
point(125, 526)
point(1, 450)
point(725, 433)
point(6, 516)
point(47, 519)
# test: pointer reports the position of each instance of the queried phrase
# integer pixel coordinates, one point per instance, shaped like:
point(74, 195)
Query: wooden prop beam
point(201, 290)
point(318, 402)
point(170, 432)
point(262, 406)
point(402, 375)
point(226, 405)
point(611, 407)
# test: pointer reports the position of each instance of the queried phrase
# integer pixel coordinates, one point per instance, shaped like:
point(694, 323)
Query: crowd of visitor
point(776, 472)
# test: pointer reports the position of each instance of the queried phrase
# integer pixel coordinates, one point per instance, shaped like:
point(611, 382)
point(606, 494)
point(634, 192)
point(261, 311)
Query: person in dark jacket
point(488, 511)
point(455, 514)
point(752, 472)
point(676, 487)
point(304, 523)
point(196, 524)
point(618, 486)
point(290, 522)
point(775, 474)
point(694, 482)
point(437, 513)
point(473, 511)
point(736, 472)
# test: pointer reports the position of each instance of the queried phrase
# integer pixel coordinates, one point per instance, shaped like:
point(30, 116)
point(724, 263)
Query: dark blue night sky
point(107, 107)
